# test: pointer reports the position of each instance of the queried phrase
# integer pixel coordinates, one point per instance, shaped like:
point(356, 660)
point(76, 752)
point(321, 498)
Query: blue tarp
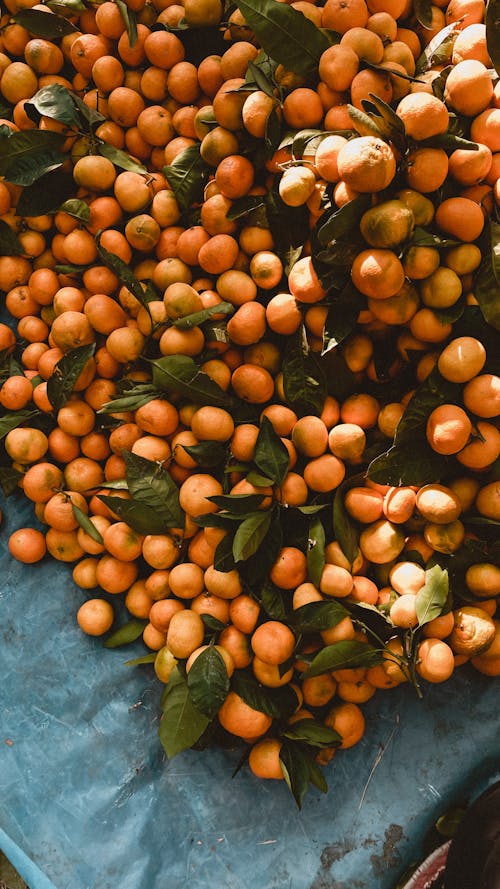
point(90, 802)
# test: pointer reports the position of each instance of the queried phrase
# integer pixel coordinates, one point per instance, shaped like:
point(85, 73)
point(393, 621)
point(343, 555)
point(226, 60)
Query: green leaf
point(180, 374)
point(54, 101)
point(250, 535)
point(364, 121)
point(152, 485)
point(258, 480)
point(146, 659)
point(182, 723)
point(45, 194)
point(12, 421)
point(317, 616)
point(303, 378)
point(388, 122)
point(223, 555)
point(316, 550)
point(120, 158)
point(432, 598)
point(423, 12)
point(438, 50)
point(450, 142)
point(212, 624)
point(122, 271)
point(187, 176)
point(61, 383)
point(133, 398)
point(70, 7)
point(238, 504)
point(342, 317)
point(313, 733)
point(208, 682)
point(207, 453)
point(261, 75)
point(10, 245)
point(423, 238)
point(342, 221)
point(344, 528)
point(285, 34)
point(9, 480)
point(85, 523)
point(487, 281)
point(129, 20)
point(493, 32)
point(197, 318)
point(342, 655)
point(40, 24)
point(271, 455)
point(141, 517)
point(76, 208)
point(126, 634)
point(27, 155)
point(274, 601)
point(411, 460)
point(287, 224)
point(279, 703)
point(245, 205)
point(296, 766)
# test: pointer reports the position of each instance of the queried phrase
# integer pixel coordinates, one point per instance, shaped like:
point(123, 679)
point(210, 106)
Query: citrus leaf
point(54, 101)
point(9, 480)
point(245, 205)
point(344, 528)
point(45, 194)
point(493, 33)
point(152, 485)
point(182, 723)
point(423, 238)
point(208, 682)
point(180, 374)
point(40, 24)
point(13, 420)
point(279, 703)
point(141, 517)
point(258, 480)
point(61, 383)
point(342, 655)
point(70, 7)
point(122, 271)
point(239, 504)
point(129, 20)
point(120, 158)
point(487, 281)
point(343, 220)
point(423, 12)
point(317, 616)
point(137, 661)
point(438, 50)
point(126, 634)
point(342, 316)
point(296, 768)
point(187, 175)
point(271, 455)
point(450, 142)
point(85, 523)
point(316, 550)
point(313, 733)
point(285, 34)
point(76, 208)
point(10, 245)
point(431, 599)
point(207, 453)
point(136, 397)
point(250, 535)
point(197, 318)
point(366, 122)
point(273, 601)
point(303, 377)
point(26, 156)
point(388, 122)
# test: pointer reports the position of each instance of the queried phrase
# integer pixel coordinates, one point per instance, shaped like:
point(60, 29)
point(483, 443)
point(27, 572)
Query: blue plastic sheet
point(90, 802)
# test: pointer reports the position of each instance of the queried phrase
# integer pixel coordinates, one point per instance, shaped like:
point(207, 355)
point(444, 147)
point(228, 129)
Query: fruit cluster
point(250, 379)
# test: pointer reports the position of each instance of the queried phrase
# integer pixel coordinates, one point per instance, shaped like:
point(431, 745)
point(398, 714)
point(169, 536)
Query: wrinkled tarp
point(88, 800)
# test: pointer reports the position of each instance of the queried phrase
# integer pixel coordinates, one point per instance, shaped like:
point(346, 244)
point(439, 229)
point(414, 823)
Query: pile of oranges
point(250, 377)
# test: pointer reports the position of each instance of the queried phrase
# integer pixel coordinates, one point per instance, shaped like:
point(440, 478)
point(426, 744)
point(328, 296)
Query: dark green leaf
point(287, 224)
point(68, 7)
point(487, 281)
point(295, 766)
point(312, 509)
point(493, 32)
point(389, 123)
point(76, 208)
point(39, 23)
point(27, 155)
point(450, 142)
point(199, 41)
point(438, 50)
point(271, 455)
point(243, 206)
point(258, 480)
point(254, 570)
point(141, 517)
point(411, 460)
point(182, 723)
point(317, 616)
point(197, 318)
point(345, 529)
point(54, 101)
point(136, 397)
point(261, 78)
point(120, 158)
point(274, 601)
point(186, 176)
point(316, 550)
point(10, 245)
point(207, 453)
point(45, 195)
point(129, 20)
point(423, 238)
point(208, 682)
point(85, 523)
point(250, 535)
point(313, 733)
point(342, 221)
point(285, 34)
point(342, 655)
point(316, 776)
point(152, 485)
point(240, 504)
point(342, 317)
point(431, 599)
point(89, 117)
point(126, 634)
point(279, 703)
point(12, 421)
point(212, 624)
point(146, 659)
point(223, 555)
point(272, 134)
point(452, 313)
point(365, 123)
point(303, 378)
point(61, 383)
point(423, 12)
point(122, 271)
point(9, 480)
point(180, 374)
point(304, 138)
